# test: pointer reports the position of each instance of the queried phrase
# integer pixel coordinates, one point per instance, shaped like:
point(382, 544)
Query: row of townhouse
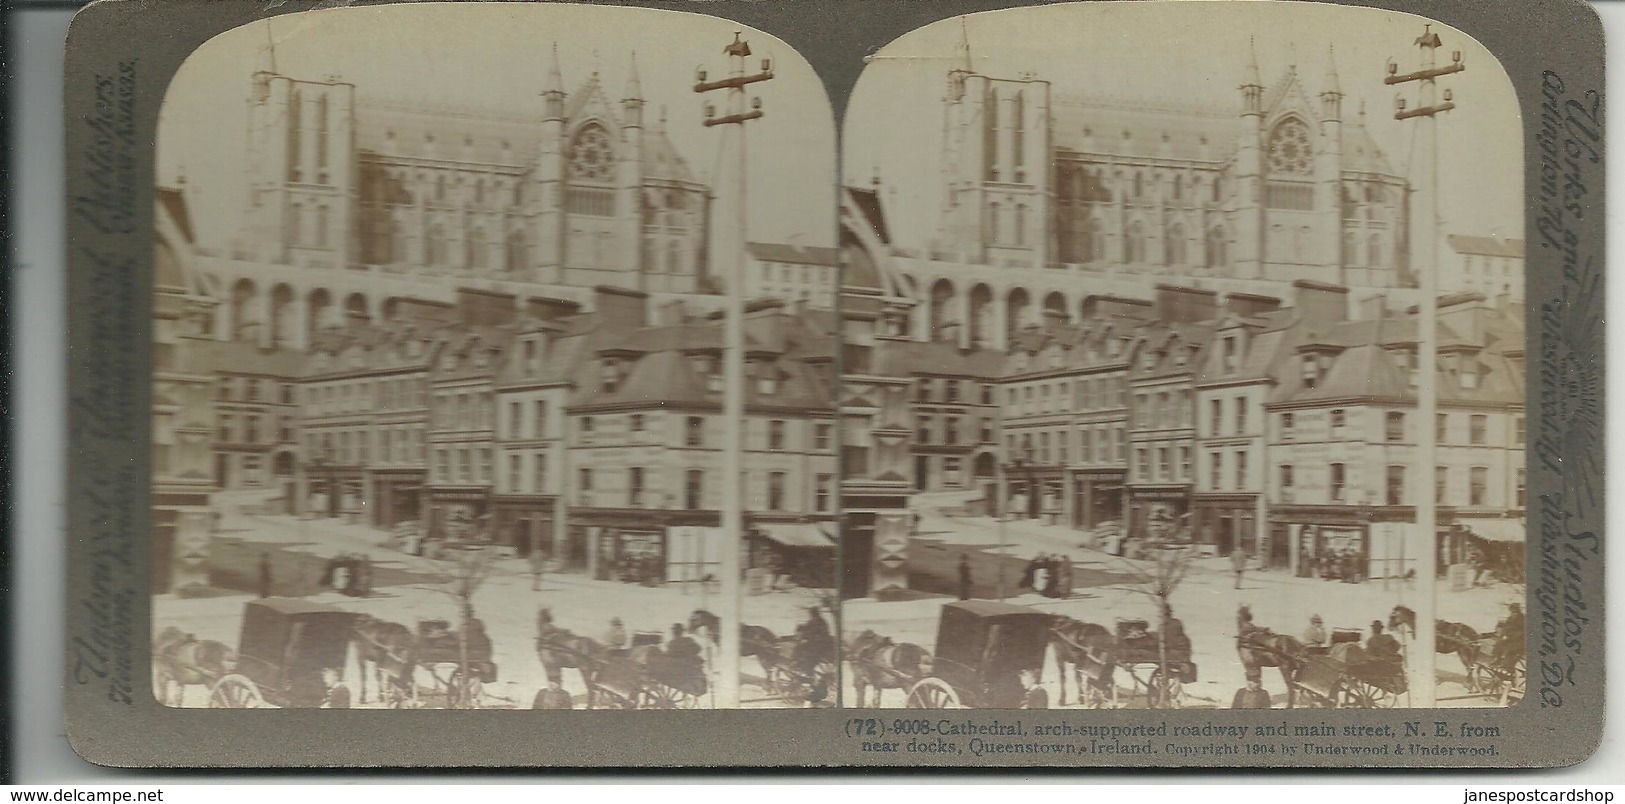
point(1286, 431)
point(584, 434)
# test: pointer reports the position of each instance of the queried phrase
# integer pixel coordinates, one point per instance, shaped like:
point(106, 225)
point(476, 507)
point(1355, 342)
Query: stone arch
point(283, 325)
point(284, 463)
point(981, 316)
point(1017, 307)
point(1174, 246)
point(244, 315)
point(318, 309)
point(390, 308)
point(943, 295)
point(1055, 302)
point(985, 465)
point(356, 309)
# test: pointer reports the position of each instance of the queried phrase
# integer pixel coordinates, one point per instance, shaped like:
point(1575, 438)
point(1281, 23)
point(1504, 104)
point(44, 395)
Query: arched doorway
point(1016, 308)
point(985, 466)
point(942, 299)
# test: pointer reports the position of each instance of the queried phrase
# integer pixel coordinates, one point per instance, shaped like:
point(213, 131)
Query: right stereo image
point(1183, 363)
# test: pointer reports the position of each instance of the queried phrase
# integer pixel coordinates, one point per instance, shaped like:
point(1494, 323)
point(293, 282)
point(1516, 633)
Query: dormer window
point(1148, 360)
point(1231, 354)
point(1311, 371)
point(768, 382)
point(1469, 376)
point(609, 376)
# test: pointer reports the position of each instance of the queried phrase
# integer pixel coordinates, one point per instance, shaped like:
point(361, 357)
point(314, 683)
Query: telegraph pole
point(1423, 661)
point(733, 407)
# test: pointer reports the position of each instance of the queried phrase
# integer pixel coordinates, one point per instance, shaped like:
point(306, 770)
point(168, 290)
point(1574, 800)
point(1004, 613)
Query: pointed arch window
point(516, 251)
point(1217, 255)
point(295, 231)
point(1019, 124)
point(1134, 249)
point(1174, 247)
point(295, 123)
point(1021, 225)
point(990, 160)
point(321, 138)
point(993, 222)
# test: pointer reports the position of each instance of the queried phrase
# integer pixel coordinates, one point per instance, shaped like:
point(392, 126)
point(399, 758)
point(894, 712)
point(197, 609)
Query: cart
point(982, 647)
point(1347, 676)
point(1142, 655)
point(284, 646)
point(441, 654)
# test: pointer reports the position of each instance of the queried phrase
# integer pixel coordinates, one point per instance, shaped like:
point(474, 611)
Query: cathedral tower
point(547, 185)
point(301, 170)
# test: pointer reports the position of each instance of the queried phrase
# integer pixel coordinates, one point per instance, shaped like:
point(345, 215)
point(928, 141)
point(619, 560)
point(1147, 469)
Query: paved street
point(1207, 601)
point(407, 591)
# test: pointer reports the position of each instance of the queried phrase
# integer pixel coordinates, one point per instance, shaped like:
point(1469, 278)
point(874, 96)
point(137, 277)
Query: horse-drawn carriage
point(642, 676)
point(1143, 654)
point(284, 646)
point(1344, 674)
point(982, 647)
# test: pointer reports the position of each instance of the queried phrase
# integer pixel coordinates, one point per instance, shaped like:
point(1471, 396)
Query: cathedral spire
point(1250, 78)
point(962, 49)
point(1330, 86)
point(555, 80)
point(634, 87)
point(1252, 88)
point(553, 90)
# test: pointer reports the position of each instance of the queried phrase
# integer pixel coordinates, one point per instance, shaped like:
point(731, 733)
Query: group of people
point(1050, 576)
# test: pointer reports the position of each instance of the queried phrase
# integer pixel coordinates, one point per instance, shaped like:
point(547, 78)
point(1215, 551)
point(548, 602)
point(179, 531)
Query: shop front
point(1097, 498)
point(523, 522)
point(798, 553)
point(630, 545)
point(397, 496)
point(1160, 513)
point(1228, 522)
point(1036, 492)
point(458, 514)
point(1352, 545)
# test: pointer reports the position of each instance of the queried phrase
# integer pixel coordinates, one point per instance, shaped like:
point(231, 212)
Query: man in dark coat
point(1252, 696)
point(265, 575)
point(964, 577)
point(553, 696)
point(1381, 645)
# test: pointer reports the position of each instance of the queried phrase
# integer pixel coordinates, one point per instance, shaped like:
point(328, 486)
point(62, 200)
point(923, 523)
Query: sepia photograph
point(495, 377)
point(1183, 363)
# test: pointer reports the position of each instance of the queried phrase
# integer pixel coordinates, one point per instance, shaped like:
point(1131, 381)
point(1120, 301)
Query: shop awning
point(1498, 530)
point(800, 534)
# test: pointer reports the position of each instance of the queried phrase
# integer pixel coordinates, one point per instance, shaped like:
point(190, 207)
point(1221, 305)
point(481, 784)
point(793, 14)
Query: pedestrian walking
point(964, 577)
point(265, 575)
point(1238, 560)
point(538, 565)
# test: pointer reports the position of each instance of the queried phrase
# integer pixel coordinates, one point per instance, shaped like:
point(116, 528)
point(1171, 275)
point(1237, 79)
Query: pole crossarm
point(732, 118)
point(1422, 75)
point(1424, 111)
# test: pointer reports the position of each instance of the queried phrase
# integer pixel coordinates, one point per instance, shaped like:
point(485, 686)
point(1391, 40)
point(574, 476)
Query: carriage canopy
point(982, 647)
point(285, 643)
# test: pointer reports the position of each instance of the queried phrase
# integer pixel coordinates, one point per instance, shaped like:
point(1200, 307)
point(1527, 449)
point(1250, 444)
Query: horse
point(880, 663)
point(558, 648)
point(1084, 645)
point(1448, 637)
point(181, 660)
point(389, 648)
point(1261, 647)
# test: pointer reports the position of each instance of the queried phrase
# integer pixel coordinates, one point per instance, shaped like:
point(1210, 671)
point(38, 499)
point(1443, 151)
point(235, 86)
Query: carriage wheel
point(1164, 693)
point(235, 692)
point(1369, 696)
point(933, 693)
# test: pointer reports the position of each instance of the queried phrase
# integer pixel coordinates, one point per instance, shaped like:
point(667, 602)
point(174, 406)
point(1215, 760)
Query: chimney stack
point(548, 309)
point(1186, 305)
point(1248, 305)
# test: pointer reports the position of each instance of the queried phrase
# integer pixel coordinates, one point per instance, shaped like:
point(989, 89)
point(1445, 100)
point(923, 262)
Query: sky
point(495, 56)
point(1190, 53)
